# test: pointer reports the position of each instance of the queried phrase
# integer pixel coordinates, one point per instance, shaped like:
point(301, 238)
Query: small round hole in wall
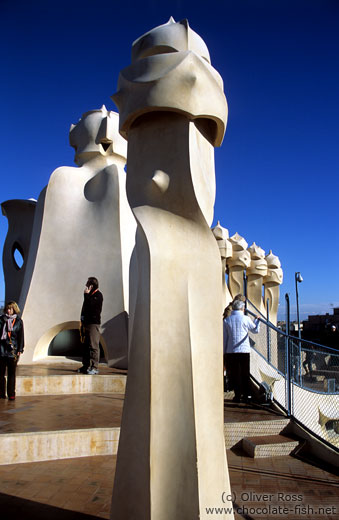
point(18, 256)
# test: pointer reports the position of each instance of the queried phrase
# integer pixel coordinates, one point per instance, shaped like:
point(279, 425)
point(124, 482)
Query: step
point(269, 446)
point(50, 427)
point(70, 384)
point(61, 414)
point(34, 443)
point(235, 432)
point(63, 444)
point(63, 378)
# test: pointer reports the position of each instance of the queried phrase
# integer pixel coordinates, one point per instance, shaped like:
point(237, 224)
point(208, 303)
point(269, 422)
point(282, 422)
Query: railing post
point(268, 333)
point(298, 279)
point(288, 357)
point(245, 286)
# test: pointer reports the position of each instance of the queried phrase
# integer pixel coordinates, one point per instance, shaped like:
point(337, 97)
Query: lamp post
point(298, 279)
point(288, 364)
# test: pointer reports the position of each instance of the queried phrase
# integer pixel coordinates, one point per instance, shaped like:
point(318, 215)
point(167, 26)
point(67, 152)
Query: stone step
point(70, 384)
point(62, 444)
point(269, 446)
point(50, 427)
point(60, 414)
point(235, 432)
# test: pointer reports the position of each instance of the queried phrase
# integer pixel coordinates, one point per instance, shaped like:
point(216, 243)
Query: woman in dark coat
point(11, 346)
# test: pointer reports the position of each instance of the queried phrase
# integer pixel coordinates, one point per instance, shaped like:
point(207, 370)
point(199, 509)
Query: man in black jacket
point(90, 325)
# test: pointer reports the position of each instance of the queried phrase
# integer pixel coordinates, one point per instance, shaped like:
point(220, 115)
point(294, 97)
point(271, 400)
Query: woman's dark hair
point(12, 304)
point(227, 311)
point(92, 281)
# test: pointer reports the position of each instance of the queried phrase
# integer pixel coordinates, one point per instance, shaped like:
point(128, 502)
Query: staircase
point(257, 431)
point(60, 414)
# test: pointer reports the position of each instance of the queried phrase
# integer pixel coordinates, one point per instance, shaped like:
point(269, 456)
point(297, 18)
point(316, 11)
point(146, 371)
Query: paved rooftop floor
point(60, 412)
point(76, 488)
point(240, 412)
point(81, 489)
point(67, 412)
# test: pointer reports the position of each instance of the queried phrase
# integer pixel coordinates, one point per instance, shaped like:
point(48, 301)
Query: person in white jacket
point(237, 349)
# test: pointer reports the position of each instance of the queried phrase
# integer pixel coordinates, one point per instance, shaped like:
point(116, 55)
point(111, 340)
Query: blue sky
point(278, 168)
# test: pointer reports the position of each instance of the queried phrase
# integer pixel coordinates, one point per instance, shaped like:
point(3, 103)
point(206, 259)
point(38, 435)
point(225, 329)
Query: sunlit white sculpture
point(256, 272)
point(237, 264)
point(171, 460)
point(272, 282)
point(225, 249)
point(83, 227)
point(20, 216)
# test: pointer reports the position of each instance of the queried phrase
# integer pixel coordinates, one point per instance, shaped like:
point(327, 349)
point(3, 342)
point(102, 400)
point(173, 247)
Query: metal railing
point(302, 375)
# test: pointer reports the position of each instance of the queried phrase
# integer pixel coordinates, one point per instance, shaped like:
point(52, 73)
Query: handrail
point(296, 370)
point(259, 312)
point(295, 338)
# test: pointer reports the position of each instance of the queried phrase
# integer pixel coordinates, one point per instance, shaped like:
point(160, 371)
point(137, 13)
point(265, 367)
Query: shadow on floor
point(14, 507)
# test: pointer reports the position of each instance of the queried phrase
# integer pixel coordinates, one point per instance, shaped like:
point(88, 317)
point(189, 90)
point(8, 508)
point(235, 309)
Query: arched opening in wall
point(17, 255)
point(67, 343)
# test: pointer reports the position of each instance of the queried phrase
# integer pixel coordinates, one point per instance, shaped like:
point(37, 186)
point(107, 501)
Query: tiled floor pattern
point(81, 485)
point(60, 412)
point(84, 486)
point(298, 486)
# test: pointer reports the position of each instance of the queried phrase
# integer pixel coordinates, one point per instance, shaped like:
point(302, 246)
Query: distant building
point(293, 327)
point(323, 328)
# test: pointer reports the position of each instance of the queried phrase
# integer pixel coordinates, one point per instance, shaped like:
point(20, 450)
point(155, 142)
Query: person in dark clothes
point(90, 326)
point(308, 362)
point(11, 346)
